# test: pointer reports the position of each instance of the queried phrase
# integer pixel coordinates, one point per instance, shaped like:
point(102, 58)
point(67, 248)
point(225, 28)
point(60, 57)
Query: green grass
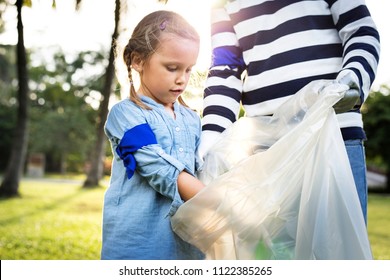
point(379, 225)
point(56, 220)
point(51, 221)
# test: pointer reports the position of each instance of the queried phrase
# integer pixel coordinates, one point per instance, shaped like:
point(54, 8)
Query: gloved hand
point(352, 95)
point(207, 140)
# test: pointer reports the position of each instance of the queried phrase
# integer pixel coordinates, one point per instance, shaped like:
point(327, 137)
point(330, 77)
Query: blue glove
point(351, 97)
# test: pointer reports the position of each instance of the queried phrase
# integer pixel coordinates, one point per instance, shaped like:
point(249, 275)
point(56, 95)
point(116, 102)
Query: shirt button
point(181, 150)
point(177, 129)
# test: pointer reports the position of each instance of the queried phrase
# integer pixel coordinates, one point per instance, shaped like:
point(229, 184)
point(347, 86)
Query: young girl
point(154, 137)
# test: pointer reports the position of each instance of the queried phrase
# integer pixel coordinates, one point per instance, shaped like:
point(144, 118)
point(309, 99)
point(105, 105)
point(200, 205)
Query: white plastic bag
point(279, 187)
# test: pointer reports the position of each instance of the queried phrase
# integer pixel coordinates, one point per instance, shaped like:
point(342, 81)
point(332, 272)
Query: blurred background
point(58, 78)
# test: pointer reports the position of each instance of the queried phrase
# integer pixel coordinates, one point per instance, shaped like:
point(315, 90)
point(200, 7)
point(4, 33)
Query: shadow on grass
point(50, 206)
point(379, 190)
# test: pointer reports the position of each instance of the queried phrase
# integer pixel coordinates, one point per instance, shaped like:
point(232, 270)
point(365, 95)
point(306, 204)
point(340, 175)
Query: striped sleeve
point(223, 87)
point(360, 40)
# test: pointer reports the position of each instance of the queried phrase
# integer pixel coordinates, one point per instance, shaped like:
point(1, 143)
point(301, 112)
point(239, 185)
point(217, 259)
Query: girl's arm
point(188, 185)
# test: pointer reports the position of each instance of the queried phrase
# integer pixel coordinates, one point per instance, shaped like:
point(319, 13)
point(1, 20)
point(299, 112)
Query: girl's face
point(165, 75)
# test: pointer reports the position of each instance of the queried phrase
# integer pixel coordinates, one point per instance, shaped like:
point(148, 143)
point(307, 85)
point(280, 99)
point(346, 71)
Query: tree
point(96, 171)
point(10, 185)
point(63, 134)
point(7, 101)
point(62, 112)
point(376, 113)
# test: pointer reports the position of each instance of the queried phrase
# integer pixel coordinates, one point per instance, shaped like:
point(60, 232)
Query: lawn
point(379, 225)
point(52, 220)
point(58, 220)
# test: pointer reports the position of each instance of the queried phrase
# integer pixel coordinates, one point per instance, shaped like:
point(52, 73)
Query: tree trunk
point(14, 170)
point(97, 159)
point(63, 164)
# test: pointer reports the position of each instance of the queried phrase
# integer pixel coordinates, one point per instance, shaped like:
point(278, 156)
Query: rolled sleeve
point(157, 165)
point(162, 177)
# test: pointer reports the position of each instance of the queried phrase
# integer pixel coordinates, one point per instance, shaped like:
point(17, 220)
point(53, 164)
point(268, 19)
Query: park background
point(53, 209)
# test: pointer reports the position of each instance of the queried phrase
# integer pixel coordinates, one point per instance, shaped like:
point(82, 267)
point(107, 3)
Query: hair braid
point(127, 57)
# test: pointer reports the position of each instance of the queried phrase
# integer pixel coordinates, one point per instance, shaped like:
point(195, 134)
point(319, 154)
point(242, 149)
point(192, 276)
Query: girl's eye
point(171, 68)
point(189, 70)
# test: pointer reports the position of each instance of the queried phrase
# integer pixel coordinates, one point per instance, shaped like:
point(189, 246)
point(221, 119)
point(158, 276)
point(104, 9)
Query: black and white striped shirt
point(266, 50)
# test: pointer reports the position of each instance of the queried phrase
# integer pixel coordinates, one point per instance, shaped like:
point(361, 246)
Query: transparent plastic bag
point(279, 187)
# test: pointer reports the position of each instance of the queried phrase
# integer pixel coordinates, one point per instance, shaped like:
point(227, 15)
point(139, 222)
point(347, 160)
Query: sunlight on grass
point(51, 221)
point(379, 225)
point(59, 220)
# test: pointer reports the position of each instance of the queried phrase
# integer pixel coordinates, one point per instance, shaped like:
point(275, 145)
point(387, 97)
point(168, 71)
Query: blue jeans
point(357, 159)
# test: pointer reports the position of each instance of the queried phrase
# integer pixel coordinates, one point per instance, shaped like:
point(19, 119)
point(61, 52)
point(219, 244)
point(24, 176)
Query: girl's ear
point(136, 62)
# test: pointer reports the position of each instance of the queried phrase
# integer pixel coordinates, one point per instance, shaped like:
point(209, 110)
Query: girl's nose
point(181, 78)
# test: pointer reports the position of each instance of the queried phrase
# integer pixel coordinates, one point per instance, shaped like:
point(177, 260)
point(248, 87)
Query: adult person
point(266, 51)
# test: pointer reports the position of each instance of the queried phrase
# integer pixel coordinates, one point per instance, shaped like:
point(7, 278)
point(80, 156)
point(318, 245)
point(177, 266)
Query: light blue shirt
point(137, 211)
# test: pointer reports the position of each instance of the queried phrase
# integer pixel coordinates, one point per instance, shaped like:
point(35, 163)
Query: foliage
point(65, 91)
point(7, 64)
point(63, 135)
point(96, 163)
point(10, 183)
point(7, 100)
point(65, 80)
point(7, 123)
point(64, 94)
point(58, 220)
point(376, 114)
